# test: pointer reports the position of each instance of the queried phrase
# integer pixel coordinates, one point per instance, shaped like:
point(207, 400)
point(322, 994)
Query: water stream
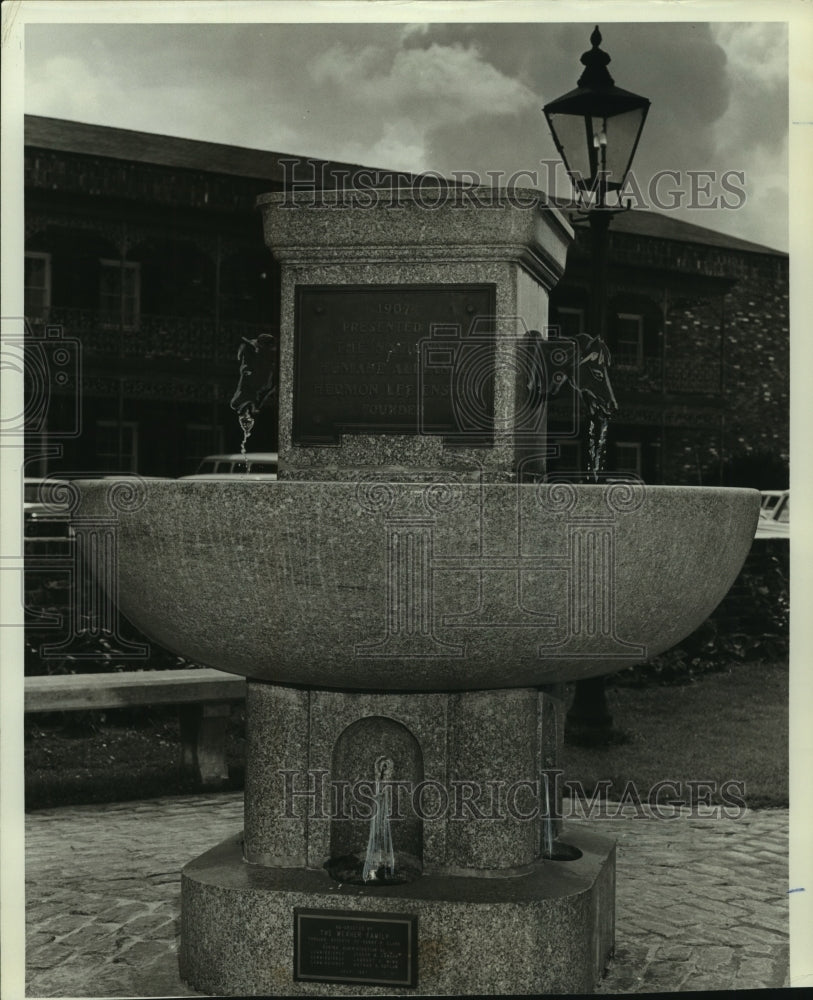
point(597, 445)
point(547, 821)
point(246, 420)
point(379, 863)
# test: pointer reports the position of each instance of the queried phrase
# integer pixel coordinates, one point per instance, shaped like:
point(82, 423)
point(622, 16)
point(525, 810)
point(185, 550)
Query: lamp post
point(596, 129)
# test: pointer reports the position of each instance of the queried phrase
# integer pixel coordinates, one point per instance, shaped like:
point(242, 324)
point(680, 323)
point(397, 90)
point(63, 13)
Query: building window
point(629, 341)
point(628, 457)
point(571, 321)
point(202, 440)
point(116, 446)
point(37, 284)
point(120, 293)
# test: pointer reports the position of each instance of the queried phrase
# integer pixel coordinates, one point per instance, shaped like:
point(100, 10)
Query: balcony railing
point(151, 337)
point(636, 374)
point(146, 183)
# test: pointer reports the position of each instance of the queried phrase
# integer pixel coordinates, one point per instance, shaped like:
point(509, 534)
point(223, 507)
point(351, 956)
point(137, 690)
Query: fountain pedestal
point(470, 813)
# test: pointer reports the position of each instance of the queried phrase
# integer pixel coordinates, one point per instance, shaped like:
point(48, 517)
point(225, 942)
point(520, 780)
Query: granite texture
point(446, 585)
point(416, 238)
point(396, 220)
point(492, 741)
point(480, 754)
point(549, 931)
point(277, 738)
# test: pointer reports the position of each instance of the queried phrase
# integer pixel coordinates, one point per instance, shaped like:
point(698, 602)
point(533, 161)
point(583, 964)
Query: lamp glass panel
point(571, 134)
point(622, 133)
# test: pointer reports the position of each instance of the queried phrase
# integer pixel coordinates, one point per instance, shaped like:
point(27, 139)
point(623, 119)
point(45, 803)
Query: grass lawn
point(724, 726)
point(115, 756)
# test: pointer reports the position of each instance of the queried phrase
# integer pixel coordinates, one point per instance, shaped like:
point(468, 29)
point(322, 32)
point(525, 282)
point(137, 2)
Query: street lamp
point(596, 128)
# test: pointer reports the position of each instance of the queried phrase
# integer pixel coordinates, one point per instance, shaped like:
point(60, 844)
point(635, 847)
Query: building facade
point(146, 265)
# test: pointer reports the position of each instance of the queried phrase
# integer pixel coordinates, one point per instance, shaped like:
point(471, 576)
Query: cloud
point(412, 95)
point(758, 73)
point(429, 97)
point(760, 48)
point(67, 87)
point(455, 79)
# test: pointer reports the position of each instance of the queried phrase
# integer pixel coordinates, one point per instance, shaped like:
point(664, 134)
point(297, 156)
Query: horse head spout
point(587, 371)
point(593, 370)
point(256, 382)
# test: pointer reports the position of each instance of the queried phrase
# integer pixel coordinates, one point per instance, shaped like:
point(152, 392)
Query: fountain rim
point(437, 478)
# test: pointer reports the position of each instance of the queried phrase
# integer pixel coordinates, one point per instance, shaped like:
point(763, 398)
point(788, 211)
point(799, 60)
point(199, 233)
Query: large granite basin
point(419, 586)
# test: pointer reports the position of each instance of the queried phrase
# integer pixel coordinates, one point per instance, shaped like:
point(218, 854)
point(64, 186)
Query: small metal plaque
point(346, 946)
point(393, 359)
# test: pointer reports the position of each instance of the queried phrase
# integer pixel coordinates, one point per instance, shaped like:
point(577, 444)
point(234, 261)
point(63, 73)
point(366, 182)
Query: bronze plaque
point(345, 946)
point(394, 359)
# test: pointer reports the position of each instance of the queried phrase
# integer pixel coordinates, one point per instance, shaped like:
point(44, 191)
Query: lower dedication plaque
point(342, 946)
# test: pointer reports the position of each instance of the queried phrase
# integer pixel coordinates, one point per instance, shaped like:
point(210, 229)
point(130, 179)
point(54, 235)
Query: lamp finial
point(595, 75)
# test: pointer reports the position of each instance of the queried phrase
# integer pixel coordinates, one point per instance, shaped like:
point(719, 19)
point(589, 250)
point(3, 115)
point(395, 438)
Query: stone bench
point(204, 698)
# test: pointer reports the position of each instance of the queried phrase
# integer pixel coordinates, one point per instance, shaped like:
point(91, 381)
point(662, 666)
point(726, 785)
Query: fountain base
point(548, 930)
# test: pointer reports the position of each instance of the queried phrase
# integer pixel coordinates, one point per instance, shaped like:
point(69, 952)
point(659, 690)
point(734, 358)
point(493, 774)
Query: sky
point(445, 97)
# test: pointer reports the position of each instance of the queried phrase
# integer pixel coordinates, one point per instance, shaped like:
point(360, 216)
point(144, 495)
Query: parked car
point(774, 514)
point(256, 464)
point(46, 518)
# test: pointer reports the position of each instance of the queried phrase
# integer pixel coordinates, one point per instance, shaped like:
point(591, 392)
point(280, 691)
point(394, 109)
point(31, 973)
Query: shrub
point(49, 596)
point(752, 623)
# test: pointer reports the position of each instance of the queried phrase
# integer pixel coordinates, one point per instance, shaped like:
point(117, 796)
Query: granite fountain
point(406, 603)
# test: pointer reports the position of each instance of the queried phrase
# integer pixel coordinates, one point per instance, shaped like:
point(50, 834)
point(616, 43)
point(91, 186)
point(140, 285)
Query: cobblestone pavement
point(701, 903)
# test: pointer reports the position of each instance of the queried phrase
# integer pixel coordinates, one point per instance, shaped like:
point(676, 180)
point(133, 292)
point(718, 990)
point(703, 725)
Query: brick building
point(147, 252)
point(698, 327)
